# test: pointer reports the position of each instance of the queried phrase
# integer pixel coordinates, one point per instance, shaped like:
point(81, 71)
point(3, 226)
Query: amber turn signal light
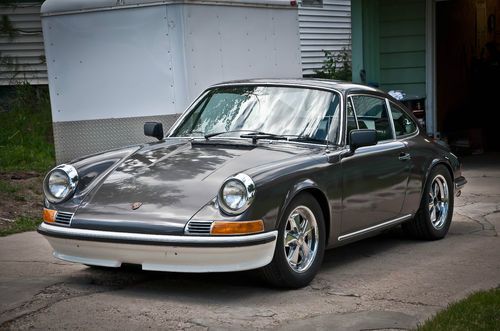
point(232, 228)
point(49, 215)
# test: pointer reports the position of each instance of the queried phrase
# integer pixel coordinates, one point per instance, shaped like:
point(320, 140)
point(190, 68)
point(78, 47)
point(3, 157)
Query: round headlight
point(236, 194)
point(60, 183)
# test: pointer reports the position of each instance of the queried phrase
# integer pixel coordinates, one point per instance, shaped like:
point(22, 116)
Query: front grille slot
point(63, 218)
point(198, 227)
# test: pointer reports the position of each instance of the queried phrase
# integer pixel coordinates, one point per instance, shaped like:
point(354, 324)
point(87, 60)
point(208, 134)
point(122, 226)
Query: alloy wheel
point(438, 202)
point(301, 239)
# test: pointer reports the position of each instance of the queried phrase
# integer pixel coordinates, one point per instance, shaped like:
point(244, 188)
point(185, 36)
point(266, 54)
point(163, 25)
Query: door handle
point(404, 156)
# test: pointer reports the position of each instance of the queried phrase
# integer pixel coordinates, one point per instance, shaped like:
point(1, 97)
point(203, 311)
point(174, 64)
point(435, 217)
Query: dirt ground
point(21, 195)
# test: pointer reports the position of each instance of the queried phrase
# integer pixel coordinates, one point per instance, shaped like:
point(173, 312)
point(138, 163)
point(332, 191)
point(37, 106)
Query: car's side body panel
point(374, 185)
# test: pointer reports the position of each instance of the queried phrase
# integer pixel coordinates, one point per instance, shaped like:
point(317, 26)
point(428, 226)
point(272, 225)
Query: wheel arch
point(434, 164)
point(309, 186)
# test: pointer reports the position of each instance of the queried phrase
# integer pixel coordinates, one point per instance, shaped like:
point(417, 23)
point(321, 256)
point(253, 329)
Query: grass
point(26, 153)
point(7, 187)
point(21, 224)
point(26, 142)
point(479, 311)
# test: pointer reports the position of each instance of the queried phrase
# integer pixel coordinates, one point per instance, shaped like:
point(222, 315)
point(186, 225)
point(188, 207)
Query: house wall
point(402, 46)
point(22, 56)
point(323, 28)
point(389, 44)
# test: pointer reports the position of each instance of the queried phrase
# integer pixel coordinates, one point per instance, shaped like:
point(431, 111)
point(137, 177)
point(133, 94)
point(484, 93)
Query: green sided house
point(444, 54)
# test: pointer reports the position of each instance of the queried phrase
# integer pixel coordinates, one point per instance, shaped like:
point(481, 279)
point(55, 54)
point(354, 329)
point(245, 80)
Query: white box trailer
point(114, 64)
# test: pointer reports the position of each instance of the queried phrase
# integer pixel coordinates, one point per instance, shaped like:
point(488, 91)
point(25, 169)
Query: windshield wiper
point(263, 135)
point(256, 135)
point(210, 135)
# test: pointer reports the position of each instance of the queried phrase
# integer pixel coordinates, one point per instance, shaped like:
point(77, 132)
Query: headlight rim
point(250, 194)
point(73, 177)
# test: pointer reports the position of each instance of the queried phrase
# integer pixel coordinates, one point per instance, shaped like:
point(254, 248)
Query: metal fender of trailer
point(113, 65)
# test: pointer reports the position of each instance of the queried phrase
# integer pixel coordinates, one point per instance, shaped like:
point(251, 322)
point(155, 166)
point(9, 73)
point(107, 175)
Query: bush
point(336, 66)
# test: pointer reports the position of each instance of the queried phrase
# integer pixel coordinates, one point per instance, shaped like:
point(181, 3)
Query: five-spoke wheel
point(438, 202)
point(433, 219)
point(300, 246)
point(301, 238)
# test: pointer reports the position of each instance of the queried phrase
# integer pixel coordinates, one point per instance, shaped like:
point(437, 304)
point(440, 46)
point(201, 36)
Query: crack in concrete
point(6, 324)
point(194, 323)
point(413, 303)
point(55, 297)
point(483, 222)
point(340, 294)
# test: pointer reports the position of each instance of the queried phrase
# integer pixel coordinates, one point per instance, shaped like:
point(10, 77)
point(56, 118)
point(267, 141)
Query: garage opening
point(468, 74)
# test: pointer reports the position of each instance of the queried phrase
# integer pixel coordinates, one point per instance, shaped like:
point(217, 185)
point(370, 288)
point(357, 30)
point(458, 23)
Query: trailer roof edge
point(64, 7)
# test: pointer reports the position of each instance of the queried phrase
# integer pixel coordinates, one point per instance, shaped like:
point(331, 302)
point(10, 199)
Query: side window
point(403, 124)
point(372, 113)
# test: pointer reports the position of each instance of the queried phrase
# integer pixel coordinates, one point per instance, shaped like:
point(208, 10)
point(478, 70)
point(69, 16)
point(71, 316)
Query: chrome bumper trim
point(155, 239)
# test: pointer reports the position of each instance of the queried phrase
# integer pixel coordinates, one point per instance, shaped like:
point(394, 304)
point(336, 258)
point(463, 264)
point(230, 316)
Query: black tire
point(421, 226)
point(279, 273)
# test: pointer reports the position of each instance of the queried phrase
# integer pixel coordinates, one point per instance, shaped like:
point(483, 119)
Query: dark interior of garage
point(468, 73)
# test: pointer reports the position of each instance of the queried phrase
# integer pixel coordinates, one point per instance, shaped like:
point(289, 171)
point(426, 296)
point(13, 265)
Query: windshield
point(284, 111)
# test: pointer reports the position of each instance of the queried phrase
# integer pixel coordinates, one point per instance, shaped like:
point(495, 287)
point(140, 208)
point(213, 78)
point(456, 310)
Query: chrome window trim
point(204, 93)
point(185, 113)
point(388, 111)
point(374, 227)
point(167, 239)
point(354, 109)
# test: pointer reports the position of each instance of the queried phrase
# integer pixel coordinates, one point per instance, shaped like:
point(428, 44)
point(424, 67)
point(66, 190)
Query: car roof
point(340, 86)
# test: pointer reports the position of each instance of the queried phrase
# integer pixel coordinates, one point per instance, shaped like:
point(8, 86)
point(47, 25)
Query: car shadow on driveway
point(234, 285)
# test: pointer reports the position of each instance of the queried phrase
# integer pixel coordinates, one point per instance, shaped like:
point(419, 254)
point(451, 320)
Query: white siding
point(323, 28)
point(24, 52)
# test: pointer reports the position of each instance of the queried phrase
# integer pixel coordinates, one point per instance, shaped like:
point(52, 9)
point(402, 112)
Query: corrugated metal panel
point(22, 57)
point(323, 28)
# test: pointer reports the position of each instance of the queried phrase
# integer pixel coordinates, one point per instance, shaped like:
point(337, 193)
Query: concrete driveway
point(385, 282)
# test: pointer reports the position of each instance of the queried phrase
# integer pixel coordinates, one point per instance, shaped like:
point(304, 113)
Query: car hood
point(161, 186)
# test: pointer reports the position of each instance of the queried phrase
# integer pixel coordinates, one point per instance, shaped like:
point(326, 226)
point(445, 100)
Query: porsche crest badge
point(136, 205)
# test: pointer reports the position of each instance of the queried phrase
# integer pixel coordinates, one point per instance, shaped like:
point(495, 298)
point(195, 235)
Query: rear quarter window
point(403, 123)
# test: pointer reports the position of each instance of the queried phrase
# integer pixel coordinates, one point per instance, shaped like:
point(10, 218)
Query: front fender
point(299, 187)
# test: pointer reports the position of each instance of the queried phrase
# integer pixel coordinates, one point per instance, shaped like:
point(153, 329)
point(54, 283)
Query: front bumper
point(161, 252)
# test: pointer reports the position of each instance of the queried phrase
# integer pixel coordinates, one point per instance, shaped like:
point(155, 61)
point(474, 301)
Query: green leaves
point(336, 66)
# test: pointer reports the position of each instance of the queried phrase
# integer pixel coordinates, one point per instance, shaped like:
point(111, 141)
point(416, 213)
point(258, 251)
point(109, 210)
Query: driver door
point(374, 178)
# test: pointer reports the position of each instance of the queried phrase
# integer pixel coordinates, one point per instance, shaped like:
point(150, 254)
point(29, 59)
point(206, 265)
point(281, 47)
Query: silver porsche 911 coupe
point(256, 174)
